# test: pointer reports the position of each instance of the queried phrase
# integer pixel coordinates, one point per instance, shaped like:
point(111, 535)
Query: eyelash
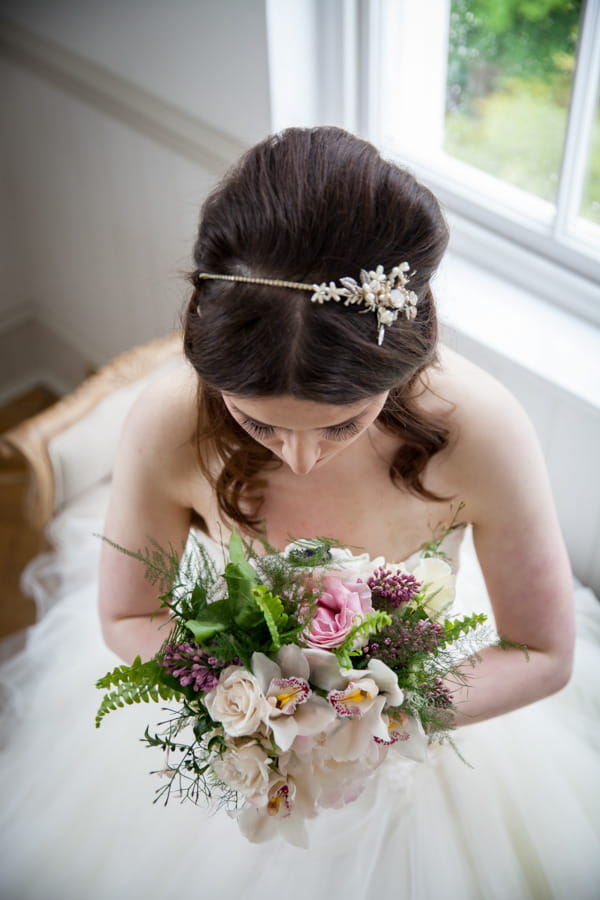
point(340, 432)
point(335, 432)
point(256, 430)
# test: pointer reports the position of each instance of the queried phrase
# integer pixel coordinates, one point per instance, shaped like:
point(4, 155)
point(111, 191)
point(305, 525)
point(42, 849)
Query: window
point(495, 104)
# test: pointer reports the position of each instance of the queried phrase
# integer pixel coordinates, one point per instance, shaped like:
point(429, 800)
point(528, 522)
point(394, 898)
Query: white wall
point(208, 57)
point(118, 118)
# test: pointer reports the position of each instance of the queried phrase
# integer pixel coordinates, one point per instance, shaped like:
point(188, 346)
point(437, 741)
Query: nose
point(300, 452)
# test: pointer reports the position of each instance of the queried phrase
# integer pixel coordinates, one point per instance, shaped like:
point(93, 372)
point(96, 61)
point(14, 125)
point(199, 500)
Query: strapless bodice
point(450, 546)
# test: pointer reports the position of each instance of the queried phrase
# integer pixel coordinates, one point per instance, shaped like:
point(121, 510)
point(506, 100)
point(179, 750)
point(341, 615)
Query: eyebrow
point(325, 428)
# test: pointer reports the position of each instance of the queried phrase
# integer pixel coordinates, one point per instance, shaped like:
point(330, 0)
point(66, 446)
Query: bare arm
point(523, 559)
point(155, 459)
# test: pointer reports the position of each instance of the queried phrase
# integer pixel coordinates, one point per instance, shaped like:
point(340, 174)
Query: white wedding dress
point(77, 822)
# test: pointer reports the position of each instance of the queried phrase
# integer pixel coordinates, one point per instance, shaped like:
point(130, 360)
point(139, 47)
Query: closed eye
point(341, 432)
point(257, 430)
point(334, 432)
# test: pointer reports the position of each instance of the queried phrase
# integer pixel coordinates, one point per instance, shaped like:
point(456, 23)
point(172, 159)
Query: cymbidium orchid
point(326, 673)
point(359, 697)
point(281, 815)
point(328, 781)
point(292, 708)
point(406, 734)
point(355, 699)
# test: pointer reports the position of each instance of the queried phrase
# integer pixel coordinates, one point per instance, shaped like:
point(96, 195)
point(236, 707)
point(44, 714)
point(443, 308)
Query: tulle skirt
point(516, 818)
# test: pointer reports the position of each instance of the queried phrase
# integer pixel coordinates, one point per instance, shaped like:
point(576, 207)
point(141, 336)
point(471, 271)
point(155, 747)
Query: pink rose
point(338, 608)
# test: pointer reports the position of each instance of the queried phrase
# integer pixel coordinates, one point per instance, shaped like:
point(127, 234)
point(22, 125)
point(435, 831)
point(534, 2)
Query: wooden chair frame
point(31, 438)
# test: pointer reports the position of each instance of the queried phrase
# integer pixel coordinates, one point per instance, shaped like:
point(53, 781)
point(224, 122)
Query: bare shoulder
point(468, 395)
point(157, 444)
point(495, 456)
point(164, 415)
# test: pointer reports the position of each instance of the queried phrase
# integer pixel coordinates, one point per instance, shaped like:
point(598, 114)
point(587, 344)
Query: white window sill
point(520, 326)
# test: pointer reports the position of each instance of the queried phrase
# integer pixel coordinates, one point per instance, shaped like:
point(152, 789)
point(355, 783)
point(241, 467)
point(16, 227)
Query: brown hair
point(309, 205)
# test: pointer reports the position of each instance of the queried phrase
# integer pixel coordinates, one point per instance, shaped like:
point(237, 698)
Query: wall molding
point(120, 98)
point(29, 314)
point(87, 351)
point(34, 378)
point(34, 353)
point(15, 316)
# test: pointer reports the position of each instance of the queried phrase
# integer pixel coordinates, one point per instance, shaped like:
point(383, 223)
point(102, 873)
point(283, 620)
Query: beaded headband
point(383, 294)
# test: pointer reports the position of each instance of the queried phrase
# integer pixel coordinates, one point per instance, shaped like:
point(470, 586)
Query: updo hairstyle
point(311, 206)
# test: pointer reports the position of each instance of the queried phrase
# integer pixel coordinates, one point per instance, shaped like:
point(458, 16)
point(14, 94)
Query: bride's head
point(310, 206)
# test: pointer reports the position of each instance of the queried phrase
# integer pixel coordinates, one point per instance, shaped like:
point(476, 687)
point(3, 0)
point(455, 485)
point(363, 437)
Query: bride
point(316, 400)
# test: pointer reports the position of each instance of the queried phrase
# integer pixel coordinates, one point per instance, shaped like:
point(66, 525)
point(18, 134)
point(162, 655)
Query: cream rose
point(439, 579)
point(237, 702)
point(246, 768)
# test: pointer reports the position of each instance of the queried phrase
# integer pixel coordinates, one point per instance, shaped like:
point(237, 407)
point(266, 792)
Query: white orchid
point(281, 815)
point(330, 782)
point(359, 697)
point(292, 709)
point(326, 673)
point(406, 735)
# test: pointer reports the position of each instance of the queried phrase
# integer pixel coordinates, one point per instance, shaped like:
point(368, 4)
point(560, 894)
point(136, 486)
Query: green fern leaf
point(453, 628)
point(138, 683)
point(272, 609)
point(371, 623)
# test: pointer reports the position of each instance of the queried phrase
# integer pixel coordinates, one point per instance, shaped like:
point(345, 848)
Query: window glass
point(510, 70)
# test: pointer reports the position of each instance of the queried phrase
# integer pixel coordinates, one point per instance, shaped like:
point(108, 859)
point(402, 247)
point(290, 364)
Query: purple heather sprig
point(389, 590)
point(192, 666)
point(440, 695)
point(397, 642)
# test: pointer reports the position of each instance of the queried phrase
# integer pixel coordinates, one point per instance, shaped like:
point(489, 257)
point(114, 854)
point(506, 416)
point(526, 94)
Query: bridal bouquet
point(294, 674)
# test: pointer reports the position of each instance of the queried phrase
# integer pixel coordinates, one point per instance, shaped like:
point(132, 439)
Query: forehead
point(293, 413)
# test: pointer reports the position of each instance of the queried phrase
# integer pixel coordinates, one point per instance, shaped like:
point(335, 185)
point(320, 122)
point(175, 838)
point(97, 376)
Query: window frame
point(509, 231)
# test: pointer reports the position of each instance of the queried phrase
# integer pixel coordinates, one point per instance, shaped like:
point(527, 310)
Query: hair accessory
point(385, 295)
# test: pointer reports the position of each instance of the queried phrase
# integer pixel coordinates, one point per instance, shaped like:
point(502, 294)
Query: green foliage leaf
point(160, 566)
point(453, 628)
point(272, 610)
point(505, 643)
point(240, 582)
point(237, 556)
point(205, 629)
point(138, 683)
